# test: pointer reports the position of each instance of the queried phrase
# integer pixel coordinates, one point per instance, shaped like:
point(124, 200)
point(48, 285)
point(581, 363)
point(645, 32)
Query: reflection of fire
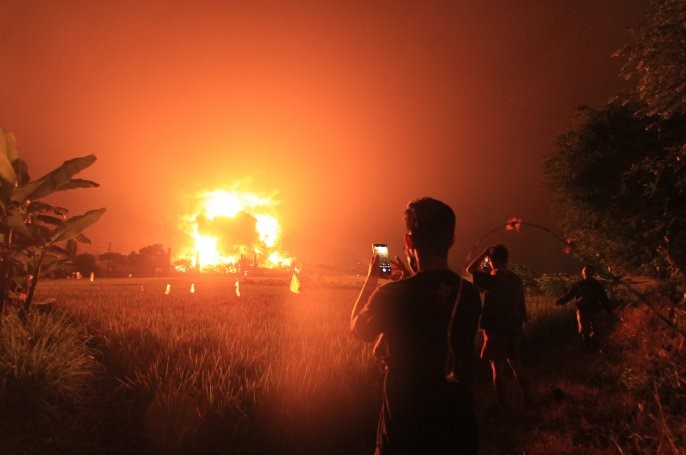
point(233, 230)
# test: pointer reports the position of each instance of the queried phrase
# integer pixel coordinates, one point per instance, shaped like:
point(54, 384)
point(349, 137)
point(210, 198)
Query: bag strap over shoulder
point(450, 358)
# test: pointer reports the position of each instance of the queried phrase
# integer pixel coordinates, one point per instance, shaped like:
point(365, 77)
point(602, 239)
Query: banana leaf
point(6, 170)
point(38, 206)
point(74, 225)
point(16, 222)
point(21, 169)
point(8, 153)
point(47, 219)
point(53, 180)
point(77, 183)
point(82, 239)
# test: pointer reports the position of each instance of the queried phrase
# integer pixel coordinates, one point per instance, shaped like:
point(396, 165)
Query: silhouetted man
point(504, 313)
point(590, 300)
point(427, 402)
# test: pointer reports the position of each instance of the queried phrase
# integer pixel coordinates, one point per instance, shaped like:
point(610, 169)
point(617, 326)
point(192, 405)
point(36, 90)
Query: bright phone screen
point(381, 250)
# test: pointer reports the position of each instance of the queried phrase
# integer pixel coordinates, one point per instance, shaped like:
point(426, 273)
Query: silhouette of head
point(430, 225)
point(498, 254)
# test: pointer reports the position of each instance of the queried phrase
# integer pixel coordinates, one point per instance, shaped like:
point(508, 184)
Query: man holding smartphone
point(428, 322)
point(504, 313)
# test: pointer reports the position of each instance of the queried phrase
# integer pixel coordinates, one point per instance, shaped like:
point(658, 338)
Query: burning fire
point(233, 230)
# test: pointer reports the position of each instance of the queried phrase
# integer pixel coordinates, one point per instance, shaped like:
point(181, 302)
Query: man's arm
point(466, 324)
point(474, 265)
point(568, 296)
point(370, 285)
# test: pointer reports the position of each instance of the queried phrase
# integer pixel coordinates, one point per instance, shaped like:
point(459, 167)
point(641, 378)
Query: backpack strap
point(450, 357)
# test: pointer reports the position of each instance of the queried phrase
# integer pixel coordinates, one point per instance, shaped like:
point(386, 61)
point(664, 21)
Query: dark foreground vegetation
point(120, 367)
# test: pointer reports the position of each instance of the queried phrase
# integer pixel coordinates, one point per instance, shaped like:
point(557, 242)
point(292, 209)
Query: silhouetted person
point(504, 313)
point(591, 299)
point(425, 410)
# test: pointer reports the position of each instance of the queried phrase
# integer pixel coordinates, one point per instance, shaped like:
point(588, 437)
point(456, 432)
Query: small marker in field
point(295, 282)
point(92, 276)
point(238, 289)
point(142, 288)
point(192, 288)
point(167, 290)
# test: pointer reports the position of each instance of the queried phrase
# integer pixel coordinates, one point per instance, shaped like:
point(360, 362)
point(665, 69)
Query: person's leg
point(582, 322)
point(514, 360)
point(521, 378)
point(592, 329)
point(499, 385)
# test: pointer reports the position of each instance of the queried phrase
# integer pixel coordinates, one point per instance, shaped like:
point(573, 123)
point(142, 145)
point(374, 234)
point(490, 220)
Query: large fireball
point(232, 229)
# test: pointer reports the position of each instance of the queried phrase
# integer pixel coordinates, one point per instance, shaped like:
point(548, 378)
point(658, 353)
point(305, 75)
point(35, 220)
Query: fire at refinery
point(233, 230)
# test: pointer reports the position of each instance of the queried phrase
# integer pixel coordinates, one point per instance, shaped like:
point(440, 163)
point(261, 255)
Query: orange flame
point(234, 229)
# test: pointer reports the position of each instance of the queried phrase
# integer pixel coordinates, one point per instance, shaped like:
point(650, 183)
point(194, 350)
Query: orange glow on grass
point(232, 229)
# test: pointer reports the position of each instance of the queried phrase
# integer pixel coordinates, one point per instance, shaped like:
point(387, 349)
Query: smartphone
point(381, 250)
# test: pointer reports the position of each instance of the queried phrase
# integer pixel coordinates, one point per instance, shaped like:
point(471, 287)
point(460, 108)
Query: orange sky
point(347, 109)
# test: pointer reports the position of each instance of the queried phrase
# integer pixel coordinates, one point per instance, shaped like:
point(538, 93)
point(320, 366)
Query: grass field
point(211, 371)
point(266, 372)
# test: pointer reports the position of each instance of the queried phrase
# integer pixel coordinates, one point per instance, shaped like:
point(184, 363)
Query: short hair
point(498, 253)
point(431, 224)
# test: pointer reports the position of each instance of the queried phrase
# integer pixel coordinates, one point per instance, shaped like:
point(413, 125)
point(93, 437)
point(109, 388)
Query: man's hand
point(398, 270)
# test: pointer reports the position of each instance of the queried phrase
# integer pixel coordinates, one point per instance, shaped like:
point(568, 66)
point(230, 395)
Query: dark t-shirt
point(504, 307)
point(590, 295)
point(420, 406)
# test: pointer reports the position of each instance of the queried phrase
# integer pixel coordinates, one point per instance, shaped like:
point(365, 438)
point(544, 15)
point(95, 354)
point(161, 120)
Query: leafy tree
point(85, 264)
point(656, 60)
point(156, 258)
point(33, 233)
point(114, 264)
point(615, 194)
point(619, 177)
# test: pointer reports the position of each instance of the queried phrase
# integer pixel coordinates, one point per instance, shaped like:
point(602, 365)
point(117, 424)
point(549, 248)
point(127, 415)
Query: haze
point(344, 110)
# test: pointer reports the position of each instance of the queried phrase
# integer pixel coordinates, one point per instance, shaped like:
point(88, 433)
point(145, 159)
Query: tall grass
point(47, 378)
point(214, 372)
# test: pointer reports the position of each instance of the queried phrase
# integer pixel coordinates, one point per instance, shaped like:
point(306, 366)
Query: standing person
point(590, 300)
point(504, 313)
point(428, 322)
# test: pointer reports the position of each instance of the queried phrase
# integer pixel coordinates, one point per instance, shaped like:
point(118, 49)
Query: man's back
point(504, 307)
point(420, 405)
point(590, 295)
point(413, 314)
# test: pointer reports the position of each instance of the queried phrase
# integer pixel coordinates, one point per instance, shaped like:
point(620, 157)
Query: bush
point(46, 368)
point(555, 284)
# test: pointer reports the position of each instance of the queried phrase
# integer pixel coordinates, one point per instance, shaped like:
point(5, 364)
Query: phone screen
point(381, 250)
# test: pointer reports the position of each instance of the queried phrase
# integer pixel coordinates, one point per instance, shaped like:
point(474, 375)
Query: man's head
point(588, 271)
point(430, 226)
point(499, 255)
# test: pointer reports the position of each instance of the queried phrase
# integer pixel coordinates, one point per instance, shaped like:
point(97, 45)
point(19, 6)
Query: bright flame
point(233, 230)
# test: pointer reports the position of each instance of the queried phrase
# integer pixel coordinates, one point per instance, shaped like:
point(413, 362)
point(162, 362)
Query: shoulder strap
point(450, 358)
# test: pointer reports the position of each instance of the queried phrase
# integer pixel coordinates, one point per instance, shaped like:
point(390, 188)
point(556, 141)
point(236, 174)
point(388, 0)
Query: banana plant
point(36, 238)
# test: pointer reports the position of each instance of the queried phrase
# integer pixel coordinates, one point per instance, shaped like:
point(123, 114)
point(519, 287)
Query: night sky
point(344, 111)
